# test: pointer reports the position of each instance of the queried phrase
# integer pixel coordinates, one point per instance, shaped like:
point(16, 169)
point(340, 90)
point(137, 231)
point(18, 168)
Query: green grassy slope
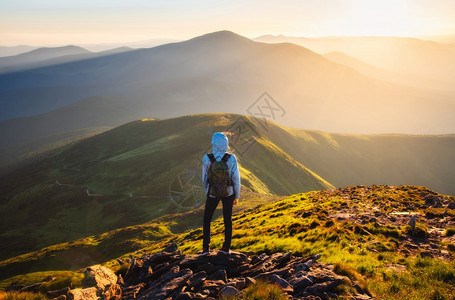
point(16, 156)
point(124, 177)
point(112, 244)
point(355, 228)
point(362, 230)
point(344, 159)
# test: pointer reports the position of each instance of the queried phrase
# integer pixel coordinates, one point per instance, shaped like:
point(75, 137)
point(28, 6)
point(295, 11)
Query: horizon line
point(251, 37)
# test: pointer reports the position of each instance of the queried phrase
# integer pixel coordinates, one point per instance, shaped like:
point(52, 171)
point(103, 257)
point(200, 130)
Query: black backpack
point(219, 176)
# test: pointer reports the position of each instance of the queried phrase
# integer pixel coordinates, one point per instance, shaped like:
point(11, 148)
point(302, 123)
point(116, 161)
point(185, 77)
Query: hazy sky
point(54, 22)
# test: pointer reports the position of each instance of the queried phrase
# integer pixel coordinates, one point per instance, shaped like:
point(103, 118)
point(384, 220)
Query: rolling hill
point(378, 73)
point(15, 50)
point(133, 45)
point(38, 55)
point(134, 167)
point(217, 72)
point(48, 56)
point(137, 172)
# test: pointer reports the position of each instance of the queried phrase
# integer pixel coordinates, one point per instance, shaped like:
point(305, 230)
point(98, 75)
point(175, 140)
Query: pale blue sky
point(51, 22)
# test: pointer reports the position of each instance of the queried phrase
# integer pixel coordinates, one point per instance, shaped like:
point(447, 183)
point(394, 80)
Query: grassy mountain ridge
point(344, 159)
point(126, 176)
point(130, 175)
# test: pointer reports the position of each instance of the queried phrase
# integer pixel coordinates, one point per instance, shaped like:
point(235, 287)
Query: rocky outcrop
point(99, 283)
point(172, 275)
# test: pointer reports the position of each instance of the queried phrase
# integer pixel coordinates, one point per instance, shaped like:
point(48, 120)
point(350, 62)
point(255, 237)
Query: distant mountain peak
point(224, 35)
point(67, 48)
point(118, 50)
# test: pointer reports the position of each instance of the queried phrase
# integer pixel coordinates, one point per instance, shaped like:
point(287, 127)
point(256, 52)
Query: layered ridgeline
point(217, 72)
point(149, 168)
point(403, 60)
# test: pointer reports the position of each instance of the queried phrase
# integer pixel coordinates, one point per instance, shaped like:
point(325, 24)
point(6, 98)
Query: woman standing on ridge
point(221, 180)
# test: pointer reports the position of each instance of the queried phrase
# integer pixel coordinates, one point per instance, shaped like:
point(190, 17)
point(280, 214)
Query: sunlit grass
point(263, 291)
point(53, 280)
point(300, 224)
point(425, 278)
point(21, 296)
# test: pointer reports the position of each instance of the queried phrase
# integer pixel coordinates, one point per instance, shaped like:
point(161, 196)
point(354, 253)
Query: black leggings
point(210, 206)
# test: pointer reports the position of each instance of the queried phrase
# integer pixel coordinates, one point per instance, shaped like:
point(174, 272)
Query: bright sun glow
point(52, 22)
point(372, 17)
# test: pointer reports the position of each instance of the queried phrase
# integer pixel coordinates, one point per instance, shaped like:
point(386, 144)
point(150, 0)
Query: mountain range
point(40, 54)
point(48, 56)
point(15, 50)
point(217, 72)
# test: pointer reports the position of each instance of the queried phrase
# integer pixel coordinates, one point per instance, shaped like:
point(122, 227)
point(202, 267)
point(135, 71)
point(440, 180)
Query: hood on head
point(220, 143)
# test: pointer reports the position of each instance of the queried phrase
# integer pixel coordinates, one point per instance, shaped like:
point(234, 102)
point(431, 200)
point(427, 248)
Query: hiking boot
point(204, 252)
point(224, 250)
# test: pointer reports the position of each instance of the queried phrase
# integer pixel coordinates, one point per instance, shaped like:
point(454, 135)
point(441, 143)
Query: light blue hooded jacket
point(219, 148)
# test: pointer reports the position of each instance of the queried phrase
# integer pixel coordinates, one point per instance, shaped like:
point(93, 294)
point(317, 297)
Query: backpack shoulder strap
point(226, 157)
point(211, 157)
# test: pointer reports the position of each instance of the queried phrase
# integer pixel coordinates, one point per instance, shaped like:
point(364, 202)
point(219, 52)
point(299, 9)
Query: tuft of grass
point(386, 230)
point(450, 231)
point(21, 296)
point(426, 278)
point(262, 290)
point(58, 280)
point(122, 269)
point(437, 295)
point(345, 270)
point(395, 287)
point(421, 231)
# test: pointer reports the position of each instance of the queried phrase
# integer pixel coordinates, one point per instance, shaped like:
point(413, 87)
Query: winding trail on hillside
point(90, 194)
point(181, 190)
point(65, 184)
